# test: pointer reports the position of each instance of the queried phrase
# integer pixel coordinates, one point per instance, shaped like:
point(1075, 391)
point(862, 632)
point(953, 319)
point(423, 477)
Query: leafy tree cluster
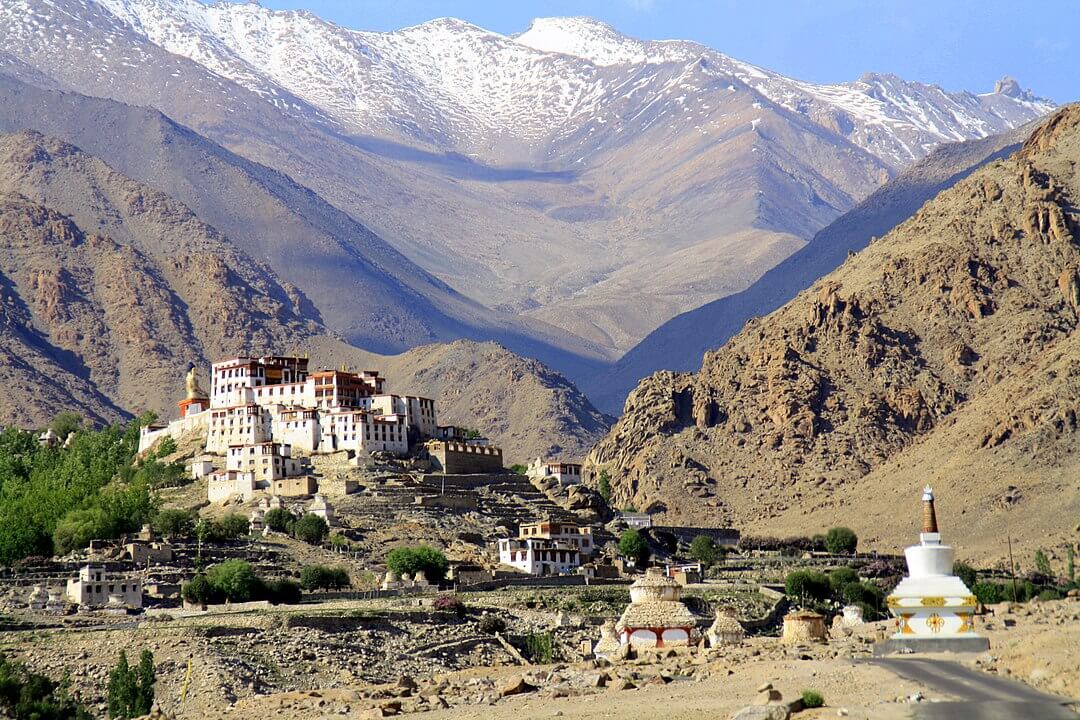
point(409, 560)
point(58, 499)
point(632, 545)
point(324, 577)
point(310, 528)
point(841, 540)
point(839, 586)
point(131, 690)
point(227, 527)
point(236, 581)
point(838, 540)
point(25, 695)
point(705, 550)
point(174, 523)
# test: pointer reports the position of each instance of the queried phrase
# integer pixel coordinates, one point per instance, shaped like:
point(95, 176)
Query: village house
point(94, 587)
point(566, 473)
point(547, 548)
point(636, 520)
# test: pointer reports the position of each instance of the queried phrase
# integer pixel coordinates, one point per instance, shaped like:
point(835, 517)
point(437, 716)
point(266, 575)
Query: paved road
point(983, 696)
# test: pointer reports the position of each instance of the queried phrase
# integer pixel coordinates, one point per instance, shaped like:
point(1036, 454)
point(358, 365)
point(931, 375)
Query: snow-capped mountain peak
point(457, 86)
point(597, 42)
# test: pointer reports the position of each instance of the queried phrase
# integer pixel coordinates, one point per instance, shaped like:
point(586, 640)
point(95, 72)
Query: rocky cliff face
point(924, 349)
point(108, 289)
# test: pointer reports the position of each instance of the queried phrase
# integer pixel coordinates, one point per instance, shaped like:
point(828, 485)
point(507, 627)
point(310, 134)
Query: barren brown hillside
point(944, 353)
point(109, 289)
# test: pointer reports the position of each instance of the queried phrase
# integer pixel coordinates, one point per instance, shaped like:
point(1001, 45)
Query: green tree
point(965, 572)
point(66, 423)
point(232, 526)
point(123, 689)
point(409, 560)
point(632, 545)
point(841, 540)
point(604, 486)
point(283, 592)
point(312, 529)
point(519, 469)
point(839, 577)
point(235, 580)
point(1042, 563)
point(1070, 563)
point(174, 523)
point(324, 577)
point(278, 519)
point(145, 677)
point(807, 585)
point(76, 529)
point(704, 550)
point(198, 590)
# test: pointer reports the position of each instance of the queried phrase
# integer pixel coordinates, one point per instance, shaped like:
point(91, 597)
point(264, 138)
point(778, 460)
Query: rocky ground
point(377, 660)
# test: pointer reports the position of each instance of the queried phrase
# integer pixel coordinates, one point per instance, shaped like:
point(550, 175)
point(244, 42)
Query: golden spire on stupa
point(929, 517)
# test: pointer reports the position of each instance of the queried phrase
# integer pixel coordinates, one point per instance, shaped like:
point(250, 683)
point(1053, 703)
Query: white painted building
point(547, 548)
point(222, 485)
point(565, 473)
point(95, 588)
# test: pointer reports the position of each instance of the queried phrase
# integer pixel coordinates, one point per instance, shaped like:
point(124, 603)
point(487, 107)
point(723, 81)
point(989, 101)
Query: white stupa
point(934, 608)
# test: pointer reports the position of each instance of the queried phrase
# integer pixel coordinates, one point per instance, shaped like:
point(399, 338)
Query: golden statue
point(194, 392)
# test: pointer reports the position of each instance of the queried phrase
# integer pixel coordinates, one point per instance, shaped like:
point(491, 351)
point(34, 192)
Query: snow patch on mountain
point(460, 87)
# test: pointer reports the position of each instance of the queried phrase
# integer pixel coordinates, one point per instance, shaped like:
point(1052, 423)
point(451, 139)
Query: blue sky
point(958, 44)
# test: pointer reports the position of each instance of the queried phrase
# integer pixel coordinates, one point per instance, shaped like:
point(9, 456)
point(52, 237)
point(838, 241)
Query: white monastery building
point(262, 410)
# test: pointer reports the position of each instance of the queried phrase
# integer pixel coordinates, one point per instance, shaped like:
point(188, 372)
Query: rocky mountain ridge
point(942, 353)
point(680, 343)
point(430, 138)
point(110, 289)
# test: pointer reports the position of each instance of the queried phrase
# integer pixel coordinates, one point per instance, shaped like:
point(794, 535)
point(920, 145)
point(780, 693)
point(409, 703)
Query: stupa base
point(959, 644)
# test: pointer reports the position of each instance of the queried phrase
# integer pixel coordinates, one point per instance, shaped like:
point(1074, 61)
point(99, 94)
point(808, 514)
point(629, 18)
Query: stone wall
point(463, 458)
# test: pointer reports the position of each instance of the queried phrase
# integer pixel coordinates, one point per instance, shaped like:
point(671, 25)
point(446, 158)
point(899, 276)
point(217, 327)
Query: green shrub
point(807, 585)
point(862, 593)
point(233, 526)
point(408, 560)
point(281, 591)
point(174, 523)
point(603, 486)
point(632, 545)
point(492, 624)
point(198, 590)
point(812, 699)
point(312, 529)
point(540, 648)
point(66, 423)
point(1042, 563)
point(235, 580)
point(278, 519)
point(841, 576)
point(704, 550)
point(324, 577)
point(966, 573)
point(841, 540)
point(1050, 594)
point(519, 469)
point(166, 447)
point(25, 694)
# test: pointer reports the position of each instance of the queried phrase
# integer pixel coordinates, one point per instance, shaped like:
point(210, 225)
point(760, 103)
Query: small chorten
point(803, 626)
point(608, 645)
point(933, 607)
point(726, 628)
point(656, 615)
point(391, 581)
point(48, 438)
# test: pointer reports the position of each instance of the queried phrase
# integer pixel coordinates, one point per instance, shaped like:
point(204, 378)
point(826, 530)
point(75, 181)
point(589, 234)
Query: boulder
point(763, 712)
point(516, 686)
